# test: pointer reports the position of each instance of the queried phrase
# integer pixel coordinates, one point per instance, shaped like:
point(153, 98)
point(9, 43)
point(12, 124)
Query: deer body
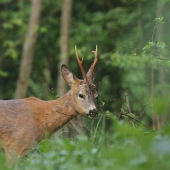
point(24, 122)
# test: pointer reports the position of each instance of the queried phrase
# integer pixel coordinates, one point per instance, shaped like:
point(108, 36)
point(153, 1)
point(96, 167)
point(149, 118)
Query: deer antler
point(81, 65)
point(90, 72)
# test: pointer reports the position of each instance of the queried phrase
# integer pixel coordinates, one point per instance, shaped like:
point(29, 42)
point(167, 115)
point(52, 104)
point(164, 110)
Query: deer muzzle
point(93, 113)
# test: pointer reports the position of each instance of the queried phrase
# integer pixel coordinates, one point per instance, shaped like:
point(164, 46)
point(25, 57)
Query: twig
point(110, 100)
point(163, 58)
point(51, 91)
point(127, 101)
point(133, 48)
point(134, 119)
point(139, 121)
point(154, 30)
point(142, 112)
point(103, 80)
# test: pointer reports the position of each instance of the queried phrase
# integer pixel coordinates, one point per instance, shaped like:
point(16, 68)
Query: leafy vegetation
point(122, 147)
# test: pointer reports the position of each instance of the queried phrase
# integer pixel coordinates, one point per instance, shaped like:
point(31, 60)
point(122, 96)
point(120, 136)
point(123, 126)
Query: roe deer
point(23, 122)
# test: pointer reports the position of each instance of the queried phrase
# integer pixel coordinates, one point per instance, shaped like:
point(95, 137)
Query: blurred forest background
point(133, 72)
point(38, 36)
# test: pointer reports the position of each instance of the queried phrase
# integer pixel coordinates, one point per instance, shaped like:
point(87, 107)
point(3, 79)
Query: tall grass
point(122, 147)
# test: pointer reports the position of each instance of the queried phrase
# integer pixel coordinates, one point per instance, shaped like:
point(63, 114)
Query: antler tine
point(81, 65)
point(90, 72)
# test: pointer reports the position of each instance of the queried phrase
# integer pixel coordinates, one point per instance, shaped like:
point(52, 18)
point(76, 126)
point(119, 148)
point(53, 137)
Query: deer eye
point(81, 95)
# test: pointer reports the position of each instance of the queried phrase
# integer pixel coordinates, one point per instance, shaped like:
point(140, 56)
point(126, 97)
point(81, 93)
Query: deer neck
point(59, 112)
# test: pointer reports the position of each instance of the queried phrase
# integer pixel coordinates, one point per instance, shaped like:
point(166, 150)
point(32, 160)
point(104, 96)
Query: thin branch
point(154, 30)
point(52, 91)
point(132, 118)
point(133, 48)
point(127, 101)
point(163, 59)
point(103, 80)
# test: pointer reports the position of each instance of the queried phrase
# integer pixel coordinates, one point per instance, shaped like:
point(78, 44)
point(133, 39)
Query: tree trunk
point(159, 37)
point(158, 121)
point(64, 51)
point(64, 44)
point(28, 50)
point(140, 24)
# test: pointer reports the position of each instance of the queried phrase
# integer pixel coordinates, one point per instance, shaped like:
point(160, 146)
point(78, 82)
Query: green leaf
point(3, 73)
point(7, 25)
point(8, 43)
point(43, 30)
point(159, 19)
point(147, 47)
point(161, 44)
point(131, 115)
point(156, 19)
point(107, 112)
point(152, 43)
point(103, 103)
point(17, 21)
point(122, 110)
point(12, 53)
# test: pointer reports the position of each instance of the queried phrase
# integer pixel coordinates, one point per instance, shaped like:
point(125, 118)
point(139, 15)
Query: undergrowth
point(122, 147)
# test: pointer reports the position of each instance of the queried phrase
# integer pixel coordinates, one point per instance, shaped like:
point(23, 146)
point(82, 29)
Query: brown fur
point(24, 122)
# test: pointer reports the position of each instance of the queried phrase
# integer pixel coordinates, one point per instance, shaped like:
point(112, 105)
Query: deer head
point(83, 91)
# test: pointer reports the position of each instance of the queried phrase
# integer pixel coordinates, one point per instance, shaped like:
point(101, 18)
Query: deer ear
point(68, 76)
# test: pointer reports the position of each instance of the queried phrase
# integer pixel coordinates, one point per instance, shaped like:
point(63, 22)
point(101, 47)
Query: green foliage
point(5, 1)
point(3, 73)
point(125, 147)
point(161, 44)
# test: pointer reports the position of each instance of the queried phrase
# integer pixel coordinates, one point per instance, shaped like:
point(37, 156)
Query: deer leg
point(10, 156)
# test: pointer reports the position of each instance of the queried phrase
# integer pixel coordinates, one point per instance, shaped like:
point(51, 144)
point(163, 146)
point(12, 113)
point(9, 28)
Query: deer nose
point(94, 112)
